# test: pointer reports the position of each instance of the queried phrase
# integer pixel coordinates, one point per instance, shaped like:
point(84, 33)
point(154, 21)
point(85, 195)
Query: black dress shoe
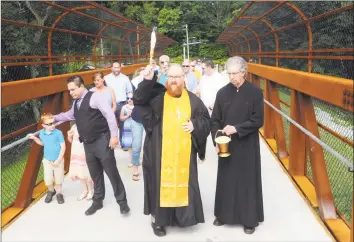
point(124, 209)
point(49, 197)
point(94, 207)
point(218, 222)
point(158, 230)
point(248, 230)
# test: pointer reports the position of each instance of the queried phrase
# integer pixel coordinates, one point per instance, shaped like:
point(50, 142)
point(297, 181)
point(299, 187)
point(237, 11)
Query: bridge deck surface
point(287, 216)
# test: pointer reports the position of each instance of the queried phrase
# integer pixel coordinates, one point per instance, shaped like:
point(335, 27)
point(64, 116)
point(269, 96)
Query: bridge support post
point(278, 121)
point(297, 157)
point(268, 113)
point(352, 227)
point(273, 122)
point(65, 127)
point(30, 174)
point(255, 80)
point(318, 164)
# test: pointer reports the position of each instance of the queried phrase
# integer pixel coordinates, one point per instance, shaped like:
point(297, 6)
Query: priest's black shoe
point(248, 230)
point(124, 209)
point(158, 230)
point(94, 207)
point(218, 222)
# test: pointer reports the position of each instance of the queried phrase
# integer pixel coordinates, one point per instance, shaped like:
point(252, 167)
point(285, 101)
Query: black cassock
point(238, 198)
point(149, 99)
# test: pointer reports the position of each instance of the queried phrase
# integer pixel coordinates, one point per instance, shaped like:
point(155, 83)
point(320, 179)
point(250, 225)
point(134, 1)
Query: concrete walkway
point(287, 216)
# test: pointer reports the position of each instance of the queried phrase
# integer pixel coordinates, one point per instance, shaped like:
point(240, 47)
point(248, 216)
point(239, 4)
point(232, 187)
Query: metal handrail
point(345, 161)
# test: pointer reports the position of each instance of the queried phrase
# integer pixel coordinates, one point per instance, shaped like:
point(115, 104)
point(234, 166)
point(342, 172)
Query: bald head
point(175, 69)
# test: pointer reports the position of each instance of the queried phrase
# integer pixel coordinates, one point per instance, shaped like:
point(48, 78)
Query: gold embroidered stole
point(176, 151)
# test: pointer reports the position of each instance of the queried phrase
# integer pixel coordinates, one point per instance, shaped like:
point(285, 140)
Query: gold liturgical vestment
point(176, 151)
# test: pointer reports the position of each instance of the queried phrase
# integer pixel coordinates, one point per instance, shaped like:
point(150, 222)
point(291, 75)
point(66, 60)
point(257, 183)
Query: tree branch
point(34, 12)
point(47, 12)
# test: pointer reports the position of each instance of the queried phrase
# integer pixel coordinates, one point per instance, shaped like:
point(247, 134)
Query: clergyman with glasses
point(238, 112)
point(177, 125)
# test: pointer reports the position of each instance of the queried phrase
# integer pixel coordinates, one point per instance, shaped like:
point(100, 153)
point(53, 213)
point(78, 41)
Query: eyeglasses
point(49, 124)
point(185, 66)
point(174, 77)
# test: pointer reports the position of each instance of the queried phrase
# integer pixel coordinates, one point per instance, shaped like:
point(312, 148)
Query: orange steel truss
point(232, 35)
point(81, 10)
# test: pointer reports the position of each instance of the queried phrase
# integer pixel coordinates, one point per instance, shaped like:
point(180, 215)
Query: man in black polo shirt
point(98, 131)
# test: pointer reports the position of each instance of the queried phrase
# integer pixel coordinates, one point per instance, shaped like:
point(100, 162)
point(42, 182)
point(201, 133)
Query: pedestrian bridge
point(299, 53)
point(288, 216)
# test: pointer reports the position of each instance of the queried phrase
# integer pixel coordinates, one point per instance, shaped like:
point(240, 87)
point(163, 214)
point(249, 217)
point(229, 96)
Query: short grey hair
point(239, 61)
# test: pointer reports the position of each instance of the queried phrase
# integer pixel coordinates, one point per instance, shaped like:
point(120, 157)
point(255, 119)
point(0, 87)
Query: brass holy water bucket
point(223, 144)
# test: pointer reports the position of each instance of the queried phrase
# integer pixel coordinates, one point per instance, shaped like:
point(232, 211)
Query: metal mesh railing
point(335, 127)
point(308, 36)
point(50, 38)
point(332, 119)
point(284, 98)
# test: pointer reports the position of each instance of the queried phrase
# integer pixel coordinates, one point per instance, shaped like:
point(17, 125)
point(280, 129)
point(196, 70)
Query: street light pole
point(184, 52)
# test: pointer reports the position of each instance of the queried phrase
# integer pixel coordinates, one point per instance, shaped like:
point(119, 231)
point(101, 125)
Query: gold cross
point(178, 114)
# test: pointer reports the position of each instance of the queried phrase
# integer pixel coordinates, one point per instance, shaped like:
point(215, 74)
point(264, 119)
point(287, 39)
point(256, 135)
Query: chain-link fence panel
point(306, 36)
point(51, 38)
point(336, 130)
point(335, 127)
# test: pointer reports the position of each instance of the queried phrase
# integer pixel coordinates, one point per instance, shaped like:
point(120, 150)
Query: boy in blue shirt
point(53, 162)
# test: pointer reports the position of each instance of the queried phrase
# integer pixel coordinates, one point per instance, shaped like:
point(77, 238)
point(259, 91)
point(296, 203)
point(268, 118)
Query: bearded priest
point(177, 125)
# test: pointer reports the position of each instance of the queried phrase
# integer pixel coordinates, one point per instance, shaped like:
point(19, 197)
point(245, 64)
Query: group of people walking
point(173, 108)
